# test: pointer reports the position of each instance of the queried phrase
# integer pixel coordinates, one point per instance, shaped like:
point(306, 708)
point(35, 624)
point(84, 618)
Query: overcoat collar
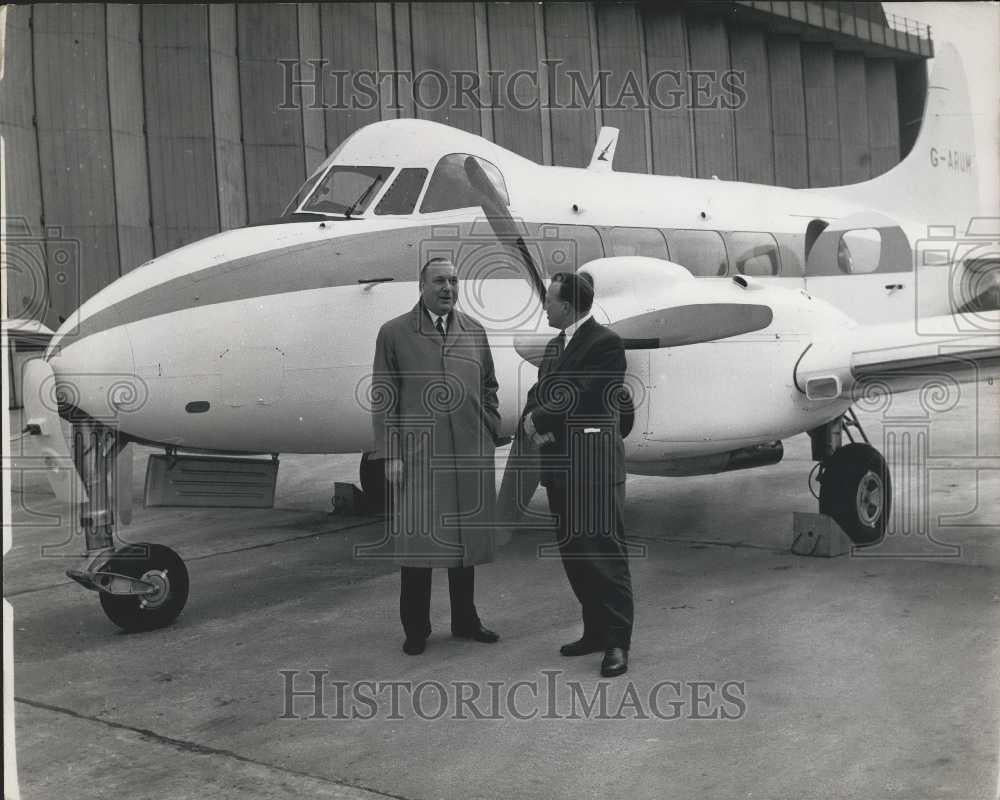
point(423, 325)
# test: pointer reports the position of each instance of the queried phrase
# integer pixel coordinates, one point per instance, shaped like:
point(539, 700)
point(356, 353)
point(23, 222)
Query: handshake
point(536, 438)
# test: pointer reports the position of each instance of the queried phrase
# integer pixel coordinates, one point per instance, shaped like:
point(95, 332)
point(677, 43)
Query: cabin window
point(401, 197)
point(703, 253)
point(584, 245)
point(450, 188)
point(753, 253)
point(859, 252)
point(635, 242)
point(791, 248)
point(347, 190)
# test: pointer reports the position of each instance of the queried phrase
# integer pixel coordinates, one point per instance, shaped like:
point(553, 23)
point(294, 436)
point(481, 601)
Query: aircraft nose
point(94, 368)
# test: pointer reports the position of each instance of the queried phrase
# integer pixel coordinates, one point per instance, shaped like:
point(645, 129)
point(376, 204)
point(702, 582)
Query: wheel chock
point(818, 535)
point(347, 499)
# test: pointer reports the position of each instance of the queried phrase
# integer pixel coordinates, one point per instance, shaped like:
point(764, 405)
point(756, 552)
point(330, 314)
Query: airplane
point(260, 340)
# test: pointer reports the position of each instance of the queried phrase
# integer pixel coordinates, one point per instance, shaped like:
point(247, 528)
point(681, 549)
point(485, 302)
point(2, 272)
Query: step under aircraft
point(750, 314)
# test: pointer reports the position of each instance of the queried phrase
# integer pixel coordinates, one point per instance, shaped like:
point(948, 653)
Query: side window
point(634, 242)
point(584, 241)
point(450, 188)
point(791, 248)
point(753, 253)
point(859, 251)
point(701, 252)
point(401, 197)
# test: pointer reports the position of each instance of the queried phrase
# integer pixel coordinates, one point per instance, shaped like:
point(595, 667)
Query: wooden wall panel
point(349, 44)
point(74, 147)
point(444, 43)
point(883, 116)
point(708, 45)
point(179, 130)
point(788, 113)
point(754, 133)
point(822, 133)
point(852, 117)
point(517, 120)
point(670, 114)
point(128, 140)
point(273, 152)
point(226, 117)
point(402, 38)
point(24, 269)
point(620, 52)
point(567, 44)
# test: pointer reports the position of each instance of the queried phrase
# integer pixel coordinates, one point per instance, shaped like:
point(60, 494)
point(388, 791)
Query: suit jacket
point(576, 393)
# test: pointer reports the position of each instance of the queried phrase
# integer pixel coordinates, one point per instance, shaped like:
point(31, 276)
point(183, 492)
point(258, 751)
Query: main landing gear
point(142, 586)
point(855, 487)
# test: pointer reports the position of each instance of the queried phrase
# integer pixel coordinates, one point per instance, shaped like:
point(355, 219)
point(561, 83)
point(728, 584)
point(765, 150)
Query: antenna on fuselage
point(604, 150)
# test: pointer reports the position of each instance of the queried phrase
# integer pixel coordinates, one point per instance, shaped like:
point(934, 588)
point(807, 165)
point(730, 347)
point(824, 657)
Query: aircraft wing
point(900, 357)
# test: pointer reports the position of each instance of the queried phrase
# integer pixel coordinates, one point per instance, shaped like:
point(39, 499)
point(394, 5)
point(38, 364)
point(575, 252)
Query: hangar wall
point(131, 130)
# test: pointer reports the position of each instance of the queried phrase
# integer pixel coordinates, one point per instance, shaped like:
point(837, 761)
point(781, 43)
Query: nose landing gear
point(142, 586)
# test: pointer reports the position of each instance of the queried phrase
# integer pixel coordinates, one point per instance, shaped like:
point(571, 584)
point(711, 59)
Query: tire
point(164, 567)
point(373, 484)
point(856, 490)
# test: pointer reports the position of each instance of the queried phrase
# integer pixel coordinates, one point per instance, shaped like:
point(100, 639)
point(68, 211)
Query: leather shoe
point(414, 647)
point(581, 647)
point(615, 662)
point(478, 634)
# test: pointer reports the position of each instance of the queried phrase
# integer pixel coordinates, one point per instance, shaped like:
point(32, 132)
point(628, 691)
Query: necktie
point(440, 326)
point(560, 345)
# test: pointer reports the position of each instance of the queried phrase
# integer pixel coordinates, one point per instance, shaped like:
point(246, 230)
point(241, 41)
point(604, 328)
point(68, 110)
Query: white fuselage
point(261, 339)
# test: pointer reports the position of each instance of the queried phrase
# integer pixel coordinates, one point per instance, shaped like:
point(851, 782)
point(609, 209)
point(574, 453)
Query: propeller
point(521, 473)
point(500, 220)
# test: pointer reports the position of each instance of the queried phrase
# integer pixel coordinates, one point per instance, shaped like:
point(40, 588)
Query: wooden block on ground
point(818, 535)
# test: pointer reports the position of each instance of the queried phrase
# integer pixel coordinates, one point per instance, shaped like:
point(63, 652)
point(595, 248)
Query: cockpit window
point(450, 188)
point(401, 197)
point(346, 190)
point(303, 192)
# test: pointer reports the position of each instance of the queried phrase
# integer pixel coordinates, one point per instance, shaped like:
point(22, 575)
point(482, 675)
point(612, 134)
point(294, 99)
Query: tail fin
point(936, 183)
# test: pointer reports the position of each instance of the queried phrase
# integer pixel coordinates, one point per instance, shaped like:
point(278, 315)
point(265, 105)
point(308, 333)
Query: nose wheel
point(142, 587)
point(855, 489)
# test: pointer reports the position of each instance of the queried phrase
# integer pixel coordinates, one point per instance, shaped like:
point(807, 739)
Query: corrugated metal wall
point(131, 130)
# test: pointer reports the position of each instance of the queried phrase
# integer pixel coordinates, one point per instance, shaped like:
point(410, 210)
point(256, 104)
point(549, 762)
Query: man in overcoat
point(436, 421)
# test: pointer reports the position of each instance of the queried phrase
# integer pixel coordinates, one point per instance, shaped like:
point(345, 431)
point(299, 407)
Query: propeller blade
point(499, 218)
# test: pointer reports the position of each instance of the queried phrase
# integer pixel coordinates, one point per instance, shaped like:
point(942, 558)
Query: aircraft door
point(864, 267)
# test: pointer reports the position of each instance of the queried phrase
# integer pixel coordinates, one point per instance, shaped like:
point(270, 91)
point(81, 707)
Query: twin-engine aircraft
point(750, 314)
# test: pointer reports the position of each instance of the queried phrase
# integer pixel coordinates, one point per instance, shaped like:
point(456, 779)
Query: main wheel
point(855, 489)
point(158, 565)
point(373, 483)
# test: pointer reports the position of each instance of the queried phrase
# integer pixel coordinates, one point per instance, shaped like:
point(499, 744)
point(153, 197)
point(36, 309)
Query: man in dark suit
point(573, 417)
